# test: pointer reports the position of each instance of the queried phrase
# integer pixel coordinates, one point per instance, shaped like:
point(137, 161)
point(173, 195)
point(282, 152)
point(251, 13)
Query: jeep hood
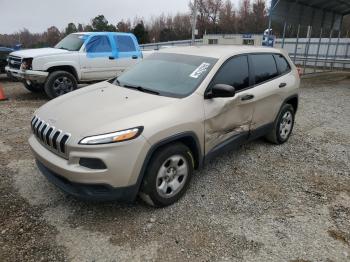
point(32, 53)
point(101, 108)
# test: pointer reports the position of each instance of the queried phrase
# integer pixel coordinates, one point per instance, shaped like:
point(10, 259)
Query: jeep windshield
point(72, 42)
point(167, 74)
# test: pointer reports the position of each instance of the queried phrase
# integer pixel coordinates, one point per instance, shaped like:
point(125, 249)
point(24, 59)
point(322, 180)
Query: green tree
point(167, 34)
point(100, 24)
point(80, 28)
point(141, 33)
point(71, 28)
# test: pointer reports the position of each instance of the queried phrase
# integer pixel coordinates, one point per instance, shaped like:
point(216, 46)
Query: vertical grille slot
point(37, 128)
point(34, 123)
point(63, 143)
point(52, 138)
point(47, 136)
point(42, 131)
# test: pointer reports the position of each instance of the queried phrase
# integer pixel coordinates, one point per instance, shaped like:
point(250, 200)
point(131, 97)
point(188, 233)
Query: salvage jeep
point(78, 58)
point(146, 131)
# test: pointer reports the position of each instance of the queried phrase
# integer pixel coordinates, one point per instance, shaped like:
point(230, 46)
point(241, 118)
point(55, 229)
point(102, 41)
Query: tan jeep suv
point(146, 131)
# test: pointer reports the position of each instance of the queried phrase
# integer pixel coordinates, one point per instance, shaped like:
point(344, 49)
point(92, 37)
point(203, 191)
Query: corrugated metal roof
point(337, 6)
point(317, 13)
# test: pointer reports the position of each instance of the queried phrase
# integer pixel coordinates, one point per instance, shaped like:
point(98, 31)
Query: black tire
point(277, 134)
point(59, 83)
point(150, 189)
point(32, 87)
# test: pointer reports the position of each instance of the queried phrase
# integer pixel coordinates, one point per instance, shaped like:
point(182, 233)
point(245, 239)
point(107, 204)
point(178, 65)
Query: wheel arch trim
point(171, 139)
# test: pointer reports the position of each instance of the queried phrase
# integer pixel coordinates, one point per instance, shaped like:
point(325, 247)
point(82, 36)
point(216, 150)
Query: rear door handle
point(247, 97)
point(111, 58)
point(282, 85)
point(135, 57)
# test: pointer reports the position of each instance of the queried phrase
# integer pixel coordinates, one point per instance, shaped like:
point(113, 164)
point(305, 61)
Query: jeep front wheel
point(59, 83)
point(167, 175)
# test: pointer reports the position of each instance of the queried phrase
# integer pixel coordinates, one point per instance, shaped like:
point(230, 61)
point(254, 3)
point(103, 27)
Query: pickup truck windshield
point(174, 75)
point(71, 42)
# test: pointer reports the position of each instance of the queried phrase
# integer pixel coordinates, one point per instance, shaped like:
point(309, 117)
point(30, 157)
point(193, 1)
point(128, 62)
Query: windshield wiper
point(63, 48)
point(140, 88)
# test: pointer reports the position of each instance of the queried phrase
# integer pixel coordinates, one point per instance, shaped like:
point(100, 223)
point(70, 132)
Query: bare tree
point(227, 19)
point(124, 26)
point(259, 16)
point(53, 36)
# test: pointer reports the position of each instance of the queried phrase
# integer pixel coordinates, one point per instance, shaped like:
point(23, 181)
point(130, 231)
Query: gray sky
point(38, 15)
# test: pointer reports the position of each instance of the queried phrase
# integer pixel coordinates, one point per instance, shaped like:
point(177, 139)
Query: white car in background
point(78, 58)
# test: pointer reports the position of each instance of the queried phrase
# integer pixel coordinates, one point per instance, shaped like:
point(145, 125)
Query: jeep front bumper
point(118, 180)
point(31, 75)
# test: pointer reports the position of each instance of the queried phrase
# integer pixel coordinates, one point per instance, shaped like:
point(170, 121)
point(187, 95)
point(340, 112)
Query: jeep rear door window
point(282, 64)
point(235, 72)
point(71, 42)
point(125, 43)
point(264, 67)
point(174, 75)
point(99, 44)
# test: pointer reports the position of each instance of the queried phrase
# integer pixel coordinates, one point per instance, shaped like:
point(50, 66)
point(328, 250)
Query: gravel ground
point(258, 203)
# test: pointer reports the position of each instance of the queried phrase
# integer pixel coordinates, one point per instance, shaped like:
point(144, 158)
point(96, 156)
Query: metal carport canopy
point(325, 13)
point(336, 6)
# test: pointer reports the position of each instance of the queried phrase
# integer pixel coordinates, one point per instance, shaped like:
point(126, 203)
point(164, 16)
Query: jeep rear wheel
point(32, 87)
point(167, 175)
point(59, 83)
point(283, 125)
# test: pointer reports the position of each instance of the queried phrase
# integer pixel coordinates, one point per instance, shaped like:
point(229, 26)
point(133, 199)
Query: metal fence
point(157, 46)
point(311, 54)
point(318, 54)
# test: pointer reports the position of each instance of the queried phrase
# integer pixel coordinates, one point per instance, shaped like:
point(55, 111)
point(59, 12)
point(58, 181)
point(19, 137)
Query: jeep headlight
point(119, 136)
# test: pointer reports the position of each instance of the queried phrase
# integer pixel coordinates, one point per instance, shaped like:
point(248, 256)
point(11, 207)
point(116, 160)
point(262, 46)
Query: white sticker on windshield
point(200, 70)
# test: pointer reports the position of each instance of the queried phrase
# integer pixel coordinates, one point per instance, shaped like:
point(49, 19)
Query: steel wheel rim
point(62, 85)
point(286, 125)
point(172, 176)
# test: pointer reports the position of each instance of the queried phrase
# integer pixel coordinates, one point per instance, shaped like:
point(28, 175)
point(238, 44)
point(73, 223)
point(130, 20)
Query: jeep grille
point(52, 138)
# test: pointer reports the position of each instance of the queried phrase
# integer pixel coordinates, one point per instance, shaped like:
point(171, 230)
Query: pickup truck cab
point(78, 58)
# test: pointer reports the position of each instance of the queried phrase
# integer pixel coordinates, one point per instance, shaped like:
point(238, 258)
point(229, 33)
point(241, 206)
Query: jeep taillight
point(300, 71)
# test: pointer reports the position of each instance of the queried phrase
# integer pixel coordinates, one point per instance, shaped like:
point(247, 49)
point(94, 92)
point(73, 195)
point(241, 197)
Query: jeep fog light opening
point(119, 136)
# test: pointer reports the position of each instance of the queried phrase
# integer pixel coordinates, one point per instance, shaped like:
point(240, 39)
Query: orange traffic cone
point(2, 94)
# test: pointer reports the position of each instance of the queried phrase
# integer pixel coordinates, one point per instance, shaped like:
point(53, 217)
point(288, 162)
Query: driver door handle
point(282, 85)
point(247, 97)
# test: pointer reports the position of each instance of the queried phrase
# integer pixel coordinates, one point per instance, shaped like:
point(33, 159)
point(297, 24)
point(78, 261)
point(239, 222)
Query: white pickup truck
point(78, 58)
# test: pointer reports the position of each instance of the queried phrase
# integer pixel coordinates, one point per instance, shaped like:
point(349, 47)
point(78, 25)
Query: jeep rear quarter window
point(235, 72)
point(125, 43)
point(282, 64)
point(99, 44)
point(264, 67)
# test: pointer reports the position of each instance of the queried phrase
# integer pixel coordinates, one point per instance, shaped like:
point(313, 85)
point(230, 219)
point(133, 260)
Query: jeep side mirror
point(221, 90)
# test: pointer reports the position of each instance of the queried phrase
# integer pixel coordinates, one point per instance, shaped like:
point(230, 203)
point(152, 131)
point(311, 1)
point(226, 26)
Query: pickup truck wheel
point(167, 175)
point(59, 83)
point(283, 125)
point(35, 88)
